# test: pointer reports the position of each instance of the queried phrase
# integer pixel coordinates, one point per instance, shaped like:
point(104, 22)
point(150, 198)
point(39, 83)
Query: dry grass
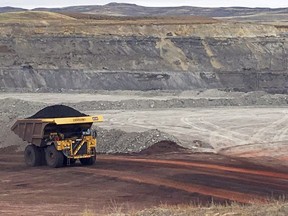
point(47, 23)
point(141, 19)
point(88, 212)
point(279, 208)
point(78, 18)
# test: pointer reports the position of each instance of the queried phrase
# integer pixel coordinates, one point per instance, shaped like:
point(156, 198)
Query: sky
point(29, 4)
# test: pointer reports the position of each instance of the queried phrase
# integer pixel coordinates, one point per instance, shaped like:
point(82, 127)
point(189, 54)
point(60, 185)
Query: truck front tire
point(32, 156)
point(53, 157)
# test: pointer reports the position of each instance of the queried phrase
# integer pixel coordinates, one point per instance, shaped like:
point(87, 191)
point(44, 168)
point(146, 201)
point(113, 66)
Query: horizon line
point(80, 5)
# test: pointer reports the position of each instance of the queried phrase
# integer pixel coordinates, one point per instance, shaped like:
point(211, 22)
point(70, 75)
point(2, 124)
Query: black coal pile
point(57, 111)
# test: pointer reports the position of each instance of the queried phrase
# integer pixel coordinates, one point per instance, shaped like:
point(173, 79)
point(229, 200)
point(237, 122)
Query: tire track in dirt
point(247, 145)
point(229, 133)
point(191, 188)
point(202, 165)
point(212, 134)
point(207, 126)
point(281, 134)
point(260, 180)
point(264, 181)
point(213, 128)
point(175, 130)
point(258, 136)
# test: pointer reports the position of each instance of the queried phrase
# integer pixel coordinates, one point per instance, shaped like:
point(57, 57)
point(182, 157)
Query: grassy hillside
point(262, 15)
point(80, 18)
point(49, 23)
point(129, 12)
point(12, 17)
point(265, 15)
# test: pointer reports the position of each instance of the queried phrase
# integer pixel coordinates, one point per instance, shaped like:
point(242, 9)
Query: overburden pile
point(118, 141)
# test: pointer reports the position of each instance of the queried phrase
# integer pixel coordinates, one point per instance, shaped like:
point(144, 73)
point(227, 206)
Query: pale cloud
point(200, 3)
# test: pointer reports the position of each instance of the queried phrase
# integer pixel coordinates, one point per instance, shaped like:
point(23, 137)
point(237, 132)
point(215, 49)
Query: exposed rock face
point(53, 51)
point(57, 80)
point(192, 54)
point(144, 63)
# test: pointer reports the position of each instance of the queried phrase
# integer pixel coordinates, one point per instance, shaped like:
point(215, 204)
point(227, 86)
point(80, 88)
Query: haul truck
point(58, 141)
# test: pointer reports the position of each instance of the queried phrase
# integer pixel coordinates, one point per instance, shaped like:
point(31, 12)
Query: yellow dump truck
point(57, 136)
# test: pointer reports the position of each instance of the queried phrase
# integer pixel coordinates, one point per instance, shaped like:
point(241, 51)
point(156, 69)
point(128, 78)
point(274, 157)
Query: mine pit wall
point(57, 80)
point(144, 63)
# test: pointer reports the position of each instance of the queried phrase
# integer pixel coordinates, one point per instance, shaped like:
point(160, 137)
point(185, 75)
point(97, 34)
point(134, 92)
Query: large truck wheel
point(32, 156)
point(88, 161)
point(53, 157)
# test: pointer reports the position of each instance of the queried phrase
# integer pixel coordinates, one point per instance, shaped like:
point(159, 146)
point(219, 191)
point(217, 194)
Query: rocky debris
point(243, 99)
point(201, 144)
point(10, 110)
point(14, 108)
point(117, 141)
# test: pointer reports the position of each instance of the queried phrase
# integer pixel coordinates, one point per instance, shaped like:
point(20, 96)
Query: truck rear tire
point(53, 157)
point(88, 161)
point(32, 156)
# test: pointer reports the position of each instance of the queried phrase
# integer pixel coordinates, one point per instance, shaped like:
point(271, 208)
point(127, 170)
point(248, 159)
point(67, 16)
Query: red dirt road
point(135, 182)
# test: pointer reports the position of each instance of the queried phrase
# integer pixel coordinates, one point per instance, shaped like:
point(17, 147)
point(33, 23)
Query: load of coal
point(57, 111)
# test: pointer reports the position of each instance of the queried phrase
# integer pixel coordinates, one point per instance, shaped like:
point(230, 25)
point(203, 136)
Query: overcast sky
point(201, 3)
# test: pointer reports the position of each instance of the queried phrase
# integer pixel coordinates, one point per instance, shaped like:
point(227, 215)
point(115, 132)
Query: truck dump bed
point(34, 130)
